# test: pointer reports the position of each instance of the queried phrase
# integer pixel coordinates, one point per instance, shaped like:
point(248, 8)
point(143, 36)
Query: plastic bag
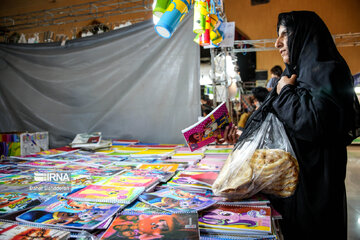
point(262, 162)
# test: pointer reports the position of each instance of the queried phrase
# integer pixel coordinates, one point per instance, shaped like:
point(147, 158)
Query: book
point(44, 163)
point(141, 207)
point(207, 165)
point(15, 230)
point(130, 181)
point(162, 175)
point(153, 153)
point(16, 182)
point(176, 200)
point(207, 178)
point(223, 218)
point(177, 226)
point(85, 180)
point(110, 194)
point(86, 140)
point(62, 211)
point(187, 155)
point(142, 160)
point(208, 129)
point(124, 142)
point(187, 183)
point(171, 167)
point(218, 151)
point(11, 202)
point(159, 146)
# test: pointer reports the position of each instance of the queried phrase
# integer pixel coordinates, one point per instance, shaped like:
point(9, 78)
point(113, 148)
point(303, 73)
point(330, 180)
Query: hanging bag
point(262, 161)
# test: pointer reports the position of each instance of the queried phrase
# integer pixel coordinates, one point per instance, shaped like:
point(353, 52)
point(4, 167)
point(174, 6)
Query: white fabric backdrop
point(129, 84)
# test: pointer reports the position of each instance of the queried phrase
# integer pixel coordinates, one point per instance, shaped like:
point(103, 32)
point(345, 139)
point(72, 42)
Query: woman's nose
point(278, 43)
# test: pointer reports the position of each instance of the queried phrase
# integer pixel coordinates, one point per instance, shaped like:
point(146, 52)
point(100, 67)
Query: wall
point(259, 22)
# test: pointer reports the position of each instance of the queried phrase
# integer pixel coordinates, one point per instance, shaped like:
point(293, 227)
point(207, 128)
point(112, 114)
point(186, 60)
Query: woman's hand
point(284, 80)
point(231, 135)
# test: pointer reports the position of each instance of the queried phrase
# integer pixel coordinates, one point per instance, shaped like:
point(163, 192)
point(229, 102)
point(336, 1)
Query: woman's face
point(198, 136)
point(282, 44)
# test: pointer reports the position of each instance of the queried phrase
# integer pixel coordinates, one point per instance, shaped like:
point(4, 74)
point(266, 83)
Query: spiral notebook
point(109, 194)
point(15, 230)
point(238, 218)
point(61, 211)
point(176, 200)
point(174, 226)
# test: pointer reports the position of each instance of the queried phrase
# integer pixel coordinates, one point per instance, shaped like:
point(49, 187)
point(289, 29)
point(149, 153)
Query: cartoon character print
point(221, 217)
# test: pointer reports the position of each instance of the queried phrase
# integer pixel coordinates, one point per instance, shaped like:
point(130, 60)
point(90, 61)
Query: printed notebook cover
point(111, 194)
point(237, 217)
point(177, 226)
point(142, 160)
point(94, 162)
point(141, 207)
point(170, 167)
point(13, 169)
point(205, 167)
point(188, 155)
point(96, 171)
point(44, 163)
point(208, 129)
point(15, 182)
point(82, 180)
point(207, 178)
point(162, 175)
point(16, 231)
point(158, 153)
point(186, 181)
point(60, 211)
point(176, 200)
point(218, 151)
point(11, 202)
point(130, 181)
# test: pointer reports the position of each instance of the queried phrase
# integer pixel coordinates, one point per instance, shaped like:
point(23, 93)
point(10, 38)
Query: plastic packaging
point(262, 162)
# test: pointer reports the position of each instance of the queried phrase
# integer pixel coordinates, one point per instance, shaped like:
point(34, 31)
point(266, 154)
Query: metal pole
point(212, 53)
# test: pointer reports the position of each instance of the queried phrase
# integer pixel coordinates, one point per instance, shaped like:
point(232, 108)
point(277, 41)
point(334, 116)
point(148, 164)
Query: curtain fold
point(128, 83)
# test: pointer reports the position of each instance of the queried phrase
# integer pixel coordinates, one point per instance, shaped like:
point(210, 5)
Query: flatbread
point(272, 171)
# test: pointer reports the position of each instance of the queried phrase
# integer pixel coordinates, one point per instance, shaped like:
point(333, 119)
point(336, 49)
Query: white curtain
point(128, 84)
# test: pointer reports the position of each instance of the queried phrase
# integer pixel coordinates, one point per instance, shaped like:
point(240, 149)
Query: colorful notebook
point(110, 194)
point(44, 163)
point(236, 218)
point(207, 178)
point(17, 231)
point(174, 226)
point(176, 200)
point(171, 167)
point(11, 202)
point(208, 129)
point(162, 175)
point(142, 207)
point(60, 211)
point(130, 181)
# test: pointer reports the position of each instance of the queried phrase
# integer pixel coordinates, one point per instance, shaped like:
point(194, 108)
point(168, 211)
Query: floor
point(353, 192)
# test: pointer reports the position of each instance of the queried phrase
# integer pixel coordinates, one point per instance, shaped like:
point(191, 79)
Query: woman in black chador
point(315, 100)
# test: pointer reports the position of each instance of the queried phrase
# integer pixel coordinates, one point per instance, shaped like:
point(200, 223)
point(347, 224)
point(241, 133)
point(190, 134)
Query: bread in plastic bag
point(262, 162)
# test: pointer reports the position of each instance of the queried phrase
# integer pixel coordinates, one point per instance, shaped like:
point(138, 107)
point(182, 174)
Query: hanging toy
point(206, 34)
point(216, 37)
point(200, 12)
point(174, 14)
point(160, 7)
